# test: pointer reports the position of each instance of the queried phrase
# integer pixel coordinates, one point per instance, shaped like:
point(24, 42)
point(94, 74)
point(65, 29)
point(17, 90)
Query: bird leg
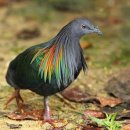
point(16, 95)
point(47, 115)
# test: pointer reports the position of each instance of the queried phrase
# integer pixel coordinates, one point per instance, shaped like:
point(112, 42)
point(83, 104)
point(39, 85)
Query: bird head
point(82, 26)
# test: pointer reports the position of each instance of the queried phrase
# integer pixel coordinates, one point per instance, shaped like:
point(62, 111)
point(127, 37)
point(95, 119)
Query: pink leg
point(47, 115)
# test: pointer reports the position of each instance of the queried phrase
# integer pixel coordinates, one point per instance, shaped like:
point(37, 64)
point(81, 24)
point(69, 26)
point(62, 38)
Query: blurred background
point(24, 23)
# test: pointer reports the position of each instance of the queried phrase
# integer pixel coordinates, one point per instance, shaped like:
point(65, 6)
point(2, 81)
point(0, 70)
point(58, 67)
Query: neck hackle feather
point(61, 58)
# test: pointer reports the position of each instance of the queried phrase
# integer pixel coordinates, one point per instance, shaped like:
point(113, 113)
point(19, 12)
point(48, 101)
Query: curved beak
point(97, 30)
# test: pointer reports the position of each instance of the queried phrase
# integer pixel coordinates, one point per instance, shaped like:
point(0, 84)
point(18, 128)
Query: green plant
point(109, 122)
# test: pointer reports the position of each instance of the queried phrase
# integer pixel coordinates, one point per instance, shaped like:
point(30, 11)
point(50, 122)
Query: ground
point(105, 55)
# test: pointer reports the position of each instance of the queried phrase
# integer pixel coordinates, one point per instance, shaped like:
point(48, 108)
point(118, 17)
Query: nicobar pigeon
point(50, 67)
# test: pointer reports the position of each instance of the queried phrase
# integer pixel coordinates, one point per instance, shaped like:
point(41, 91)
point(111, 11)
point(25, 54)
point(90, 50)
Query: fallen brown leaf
point(76, 94)
point(4, 2)
point(108, 101)
point(119, 108)
point(94, 113)
point(126, 127)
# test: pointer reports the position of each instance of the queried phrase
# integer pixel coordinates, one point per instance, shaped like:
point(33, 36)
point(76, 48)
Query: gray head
point(81, 26)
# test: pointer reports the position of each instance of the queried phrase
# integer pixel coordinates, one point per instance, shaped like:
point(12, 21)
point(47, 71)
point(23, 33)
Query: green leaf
point(109, 122)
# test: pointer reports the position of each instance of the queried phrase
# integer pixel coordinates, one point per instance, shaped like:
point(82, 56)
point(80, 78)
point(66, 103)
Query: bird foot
point(28, 114)
point(38, 115)
point(16, 95)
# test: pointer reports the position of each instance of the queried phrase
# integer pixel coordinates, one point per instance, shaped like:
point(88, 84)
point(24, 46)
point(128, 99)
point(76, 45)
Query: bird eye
point(83, 26)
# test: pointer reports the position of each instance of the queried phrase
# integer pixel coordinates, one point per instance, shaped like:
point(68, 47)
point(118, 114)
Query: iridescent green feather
point(60, 70)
